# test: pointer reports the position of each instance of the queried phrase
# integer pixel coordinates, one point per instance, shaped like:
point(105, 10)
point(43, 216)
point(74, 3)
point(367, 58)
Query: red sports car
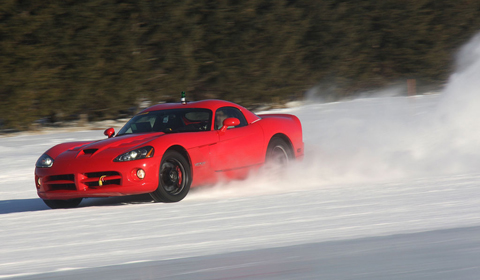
point(167, 149)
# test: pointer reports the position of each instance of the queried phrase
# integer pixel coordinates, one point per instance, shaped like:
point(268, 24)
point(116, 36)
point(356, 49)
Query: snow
point(375, 169)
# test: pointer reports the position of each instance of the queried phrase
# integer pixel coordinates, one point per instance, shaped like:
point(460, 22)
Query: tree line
point(62, 58)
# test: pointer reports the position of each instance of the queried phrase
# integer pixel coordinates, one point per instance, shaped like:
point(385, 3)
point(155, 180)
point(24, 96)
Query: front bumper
point(83, 178)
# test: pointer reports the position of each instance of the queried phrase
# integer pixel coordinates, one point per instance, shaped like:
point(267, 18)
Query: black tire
point(278, 155)
point(56, 204)
point(174, 178)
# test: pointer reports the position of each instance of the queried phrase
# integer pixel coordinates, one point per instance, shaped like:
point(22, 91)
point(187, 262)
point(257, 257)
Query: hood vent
point(89, 151)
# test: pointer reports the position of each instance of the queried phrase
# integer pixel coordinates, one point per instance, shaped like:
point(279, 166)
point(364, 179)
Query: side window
point(229, 112)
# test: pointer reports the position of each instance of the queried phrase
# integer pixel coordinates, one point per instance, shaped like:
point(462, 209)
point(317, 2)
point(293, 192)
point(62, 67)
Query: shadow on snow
point(36, 204)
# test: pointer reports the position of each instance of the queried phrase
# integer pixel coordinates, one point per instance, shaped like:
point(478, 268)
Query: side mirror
point(109, 132)
point(229, 122)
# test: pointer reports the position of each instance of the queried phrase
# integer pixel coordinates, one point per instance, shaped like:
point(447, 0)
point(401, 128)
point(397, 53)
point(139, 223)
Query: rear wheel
point(174, 178)
point(56, 204)
point(278, 156)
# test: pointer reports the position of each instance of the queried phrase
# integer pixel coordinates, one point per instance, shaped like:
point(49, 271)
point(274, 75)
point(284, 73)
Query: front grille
point(97, 180)
point(95, 185)
point(100, 174)
point(61, 182)
point(68, 177)
point(62, 187)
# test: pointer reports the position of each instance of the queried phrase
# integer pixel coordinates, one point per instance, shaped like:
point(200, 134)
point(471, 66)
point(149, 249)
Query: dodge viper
point(167, 149)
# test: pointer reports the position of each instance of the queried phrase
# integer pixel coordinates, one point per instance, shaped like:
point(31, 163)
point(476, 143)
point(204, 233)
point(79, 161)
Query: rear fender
point(286, 126)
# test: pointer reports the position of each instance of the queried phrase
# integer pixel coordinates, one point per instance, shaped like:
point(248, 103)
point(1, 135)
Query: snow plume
point(458, 113)
point(403, 137)
point(460, 107)
point(385, 138)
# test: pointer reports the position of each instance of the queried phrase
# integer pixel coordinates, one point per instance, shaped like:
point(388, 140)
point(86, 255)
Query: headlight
point(145, 152)
point(44, 161)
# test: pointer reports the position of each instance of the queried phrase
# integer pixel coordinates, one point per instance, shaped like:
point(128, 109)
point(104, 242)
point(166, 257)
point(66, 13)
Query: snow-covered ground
point(389, 189)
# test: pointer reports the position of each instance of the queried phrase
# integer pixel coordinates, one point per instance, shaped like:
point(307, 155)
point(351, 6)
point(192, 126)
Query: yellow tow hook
point(100, 181)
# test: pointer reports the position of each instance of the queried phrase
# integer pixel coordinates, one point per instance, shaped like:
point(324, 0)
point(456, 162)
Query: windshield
point(169, 121)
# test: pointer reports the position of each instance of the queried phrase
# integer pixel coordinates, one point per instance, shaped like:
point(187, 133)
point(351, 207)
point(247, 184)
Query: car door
point(240, 147)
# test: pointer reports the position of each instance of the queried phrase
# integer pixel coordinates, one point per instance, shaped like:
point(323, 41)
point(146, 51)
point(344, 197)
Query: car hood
point(124, 141)
point(111, 147)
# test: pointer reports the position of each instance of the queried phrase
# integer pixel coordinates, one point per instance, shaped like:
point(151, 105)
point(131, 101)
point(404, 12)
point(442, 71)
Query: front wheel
point(174, 178)
point(56, 204)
